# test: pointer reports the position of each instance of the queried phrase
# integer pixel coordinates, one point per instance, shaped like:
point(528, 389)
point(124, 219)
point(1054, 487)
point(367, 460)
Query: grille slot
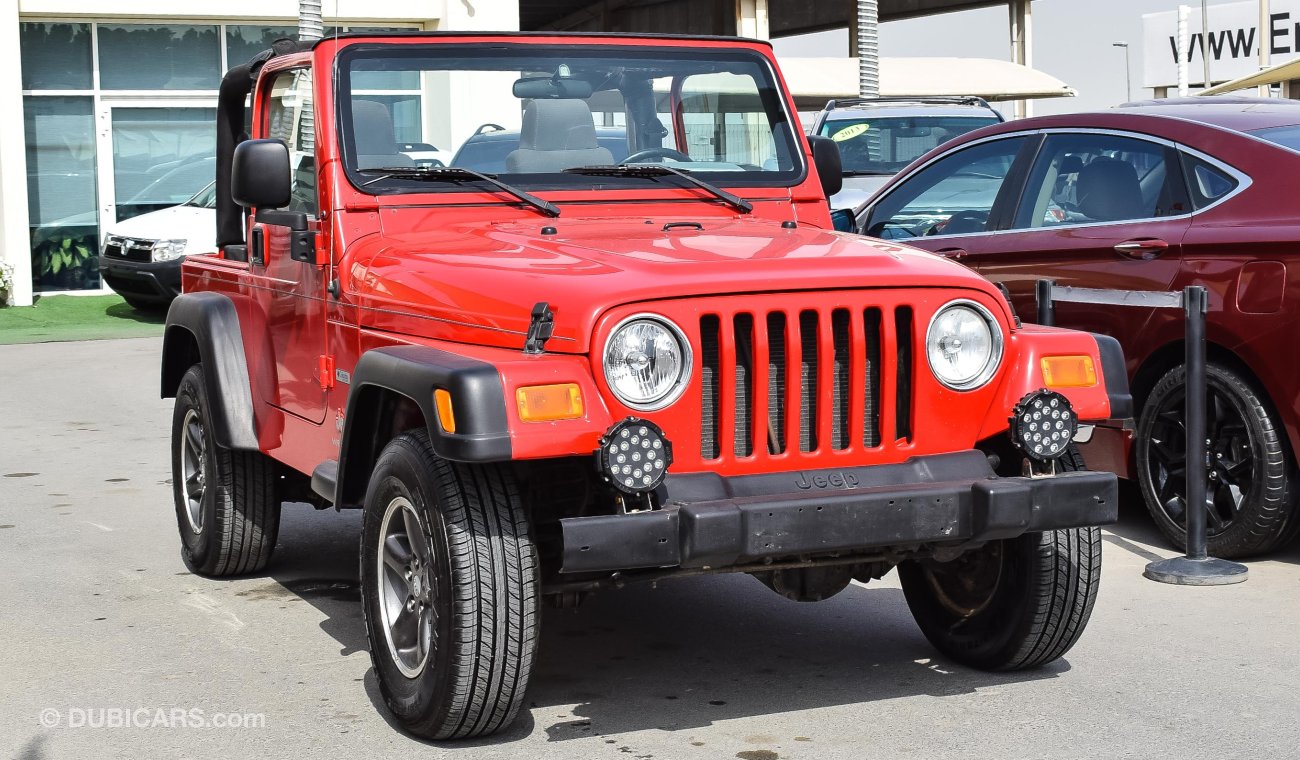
point(871, 378)
point(840, 389)
point(776, 382)
point(743, 384)
point(808, 380)
point(903, 321)
point(709, 327)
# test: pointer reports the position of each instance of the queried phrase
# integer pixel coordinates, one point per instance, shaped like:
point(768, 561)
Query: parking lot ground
point(97, 614)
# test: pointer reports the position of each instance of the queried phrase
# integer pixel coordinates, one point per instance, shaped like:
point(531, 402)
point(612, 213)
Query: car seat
point(557, 135)
point(375, 138)
point(1108, 190)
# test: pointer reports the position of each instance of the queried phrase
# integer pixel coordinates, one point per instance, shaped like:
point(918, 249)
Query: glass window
point(406, 115)
point(1206, 182)
point(158, 57)
point(554, 108)
point(1287, 137)
point(1089, 178)
point(952, 196)
point(56, 56)
point(244, 42)
point(161, 157)
point(62, 205)
point(291, 118)
point(885, 145)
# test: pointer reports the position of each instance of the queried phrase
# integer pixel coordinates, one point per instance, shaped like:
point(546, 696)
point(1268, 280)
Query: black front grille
point(834, 355)
point(128, 249)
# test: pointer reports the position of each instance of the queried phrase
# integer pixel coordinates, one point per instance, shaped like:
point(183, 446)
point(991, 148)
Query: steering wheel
point(962, 222)
point(661, 153)
point(489, 127)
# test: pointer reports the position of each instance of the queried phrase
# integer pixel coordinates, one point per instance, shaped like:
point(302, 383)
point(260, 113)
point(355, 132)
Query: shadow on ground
point(146, 316)
point(678, 656)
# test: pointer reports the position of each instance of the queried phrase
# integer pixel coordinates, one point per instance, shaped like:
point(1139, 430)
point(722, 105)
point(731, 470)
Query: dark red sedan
point(1153, 196)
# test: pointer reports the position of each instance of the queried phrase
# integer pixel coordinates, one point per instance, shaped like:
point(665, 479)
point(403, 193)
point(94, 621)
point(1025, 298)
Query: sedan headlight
point(647, 362)
point(964, 345)
point(166, 250)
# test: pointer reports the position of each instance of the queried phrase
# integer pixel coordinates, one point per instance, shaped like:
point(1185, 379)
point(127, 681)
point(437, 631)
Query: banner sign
point(1233, 42)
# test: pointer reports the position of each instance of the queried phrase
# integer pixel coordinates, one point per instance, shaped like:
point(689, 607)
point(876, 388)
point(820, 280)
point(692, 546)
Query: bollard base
point(1196, 572)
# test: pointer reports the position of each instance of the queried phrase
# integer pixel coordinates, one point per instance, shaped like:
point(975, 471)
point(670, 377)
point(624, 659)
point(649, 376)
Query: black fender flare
point(209, 323)
point(1115, 374)
point(478, 403)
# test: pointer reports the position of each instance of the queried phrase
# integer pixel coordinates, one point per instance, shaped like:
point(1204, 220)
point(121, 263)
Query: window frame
point(266, 90)
point(1242, 178)
point(545, 182)
point(1175, 180)
point(1008, 195)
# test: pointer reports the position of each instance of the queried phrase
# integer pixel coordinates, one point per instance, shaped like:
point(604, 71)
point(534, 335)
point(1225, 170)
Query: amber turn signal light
point(547, 403)
point(1068, 371)
point(446, 416)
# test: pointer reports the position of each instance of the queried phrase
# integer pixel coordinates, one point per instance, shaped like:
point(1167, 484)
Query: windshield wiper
point(867, 173)
point(655, 171)
point(457, 174)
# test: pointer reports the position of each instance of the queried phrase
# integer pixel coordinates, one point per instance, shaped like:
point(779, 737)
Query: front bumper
point(713, 521)
point(156, 281)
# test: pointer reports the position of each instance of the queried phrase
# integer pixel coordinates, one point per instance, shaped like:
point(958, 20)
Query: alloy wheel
point(406, 580)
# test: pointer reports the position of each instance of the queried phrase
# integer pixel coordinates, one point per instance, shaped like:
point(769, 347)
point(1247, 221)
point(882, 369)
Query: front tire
point(1012, 604)
point(227, 504)
point(449, 591)
point(1249, 500)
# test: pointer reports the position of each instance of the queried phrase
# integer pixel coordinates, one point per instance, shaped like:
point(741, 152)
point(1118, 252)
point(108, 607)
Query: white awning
point(825, 78)
point(1283, 72)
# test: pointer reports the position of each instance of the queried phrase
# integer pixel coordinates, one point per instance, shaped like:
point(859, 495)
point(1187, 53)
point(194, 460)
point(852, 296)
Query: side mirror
point(826, 157)
point(260, 176)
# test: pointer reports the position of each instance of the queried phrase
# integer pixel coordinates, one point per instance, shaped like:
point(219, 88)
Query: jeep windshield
point(885, 145)
point(714, 114)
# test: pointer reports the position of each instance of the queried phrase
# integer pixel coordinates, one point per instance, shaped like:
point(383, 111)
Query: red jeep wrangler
point(583, 372)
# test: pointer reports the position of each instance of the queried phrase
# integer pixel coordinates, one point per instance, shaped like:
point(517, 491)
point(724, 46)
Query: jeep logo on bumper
point(806, 482)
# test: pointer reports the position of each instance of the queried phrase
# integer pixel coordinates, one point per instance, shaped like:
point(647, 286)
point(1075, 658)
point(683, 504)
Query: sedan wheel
point(1247, 501)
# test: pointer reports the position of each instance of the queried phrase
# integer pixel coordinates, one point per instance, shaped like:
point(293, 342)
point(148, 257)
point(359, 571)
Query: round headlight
point(964, 345)
point(647, 362)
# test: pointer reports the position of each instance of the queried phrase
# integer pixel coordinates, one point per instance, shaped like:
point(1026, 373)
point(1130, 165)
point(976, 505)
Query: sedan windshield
point(528, 113)
point(871, 145)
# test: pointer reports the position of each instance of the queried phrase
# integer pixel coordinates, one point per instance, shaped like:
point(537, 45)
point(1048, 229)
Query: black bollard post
point(1046, 307)
point(1196, 568)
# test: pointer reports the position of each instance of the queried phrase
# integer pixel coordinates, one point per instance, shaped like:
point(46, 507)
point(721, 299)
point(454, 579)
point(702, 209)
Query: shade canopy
point(1282, 72)
point(820, 79)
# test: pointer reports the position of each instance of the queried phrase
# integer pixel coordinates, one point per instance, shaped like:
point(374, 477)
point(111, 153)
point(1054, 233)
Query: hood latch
point(540, 327)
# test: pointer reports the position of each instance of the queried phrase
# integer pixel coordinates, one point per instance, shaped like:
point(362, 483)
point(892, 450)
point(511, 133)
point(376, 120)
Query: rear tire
point(450, 591)
point(227, 506)
point(1250, 497)
point(1012, 604)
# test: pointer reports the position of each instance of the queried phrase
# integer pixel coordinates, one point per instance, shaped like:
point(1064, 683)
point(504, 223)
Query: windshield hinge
point(540, 327)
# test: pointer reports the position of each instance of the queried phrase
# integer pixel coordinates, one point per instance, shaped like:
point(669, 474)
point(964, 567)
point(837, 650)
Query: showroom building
point(117, 101)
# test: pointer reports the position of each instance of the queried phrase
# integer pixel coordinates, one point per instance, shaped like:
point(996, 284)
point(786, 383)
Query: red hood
point(477, 283)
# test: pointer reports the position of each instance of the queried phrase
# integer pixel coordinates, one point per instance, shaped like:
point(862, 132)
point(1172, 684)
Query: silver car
point(877, 137)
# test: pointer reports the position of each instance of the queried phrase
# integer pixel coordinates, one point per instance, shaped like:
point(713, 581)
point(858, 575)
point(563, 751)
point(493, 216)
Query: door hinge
point(325, 366)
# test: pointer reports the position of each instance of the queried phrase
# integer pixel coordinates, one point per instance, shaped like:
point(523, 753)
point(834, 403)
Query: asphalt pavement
point(110, 649)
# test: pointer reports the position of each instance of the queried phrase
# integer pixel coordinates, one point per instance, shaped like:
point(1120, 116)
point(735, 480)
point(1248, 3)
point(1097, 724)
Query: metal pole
point(1195, 467)
point(1046, 308)
point(1184, 48)
point(868, 48)
point(310, 25)
point(1264, 49)
point(1197, 567)
point(1205, 41)
point(1128, 73)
